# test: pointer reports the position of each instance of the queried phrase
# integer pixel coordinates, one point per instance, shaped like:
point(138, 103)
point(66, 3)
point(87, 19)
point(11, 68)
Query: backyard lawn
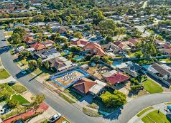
point(155, 117)
point(4, 74)
point(19, 98)
point(152, 87)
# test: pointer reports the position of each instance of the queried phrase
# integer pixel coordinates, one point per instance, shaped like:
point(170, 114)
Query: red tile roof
point(38, 46)
point(43, 107)
point(119, 44)
point(96, 48)
point(84, 85)
point(133, 40)
point(81, 41)
point(29, 39)
point(117, 78)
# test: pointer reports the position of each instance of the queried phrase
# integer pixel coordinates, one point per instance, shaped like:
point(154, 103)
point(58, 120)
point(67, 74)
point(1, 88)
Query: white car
point(54, 118)
point(64, 122)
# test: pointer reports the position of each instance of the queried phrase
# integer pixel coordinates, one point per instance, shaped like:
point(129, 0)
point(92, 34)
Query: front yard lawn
point(155, 117)
point(19, 88)
point(4, 74)
point(19, 98)
point(152, 87)
point(90, 112)
point(143, 111)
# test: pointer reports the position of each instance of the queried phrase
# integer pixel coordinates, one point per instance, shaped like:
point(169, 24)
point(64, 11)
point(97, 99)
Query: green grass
point(66, 98)
point(155, 117)
point(19, 88)
point(167, 60)
point(152, 87)
point(143, 111)
point(4, 74)
point(168, 103)
point(20, 99)
point(90, 113)
point(93, 105)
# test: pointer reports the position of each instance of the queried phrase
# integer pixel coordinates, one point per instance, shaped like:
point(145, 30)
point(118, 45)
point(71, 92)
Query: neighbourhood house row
point(161, 72)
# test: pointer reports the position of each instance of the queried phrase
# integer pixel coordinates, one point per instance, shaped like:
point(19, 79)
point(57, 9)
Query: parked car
point(64, 121)
point(23, 71)
point(4, 39)
point(54, 118)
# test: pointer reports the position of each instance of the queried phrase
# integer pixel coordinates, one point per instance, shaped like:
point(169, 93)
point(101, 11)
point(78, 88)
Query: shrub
point(136, 87)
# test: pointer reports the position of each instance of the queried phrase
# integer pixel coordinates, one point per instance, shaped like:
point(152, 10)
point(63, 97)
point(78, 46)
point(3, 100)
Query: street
point(68, 110)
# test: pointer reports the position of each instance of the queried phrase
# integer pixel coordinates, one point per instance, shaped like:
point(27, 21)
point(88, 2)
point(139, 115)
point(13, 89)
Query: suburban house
point(29, 40)
point(62, 29)
point(42, 45)
point(160, 71)
point(166, 51)
point(115, 77)
point(38, 46)
point(162, 45)
point(130, 68)
point(133, 41)
point(60, 63)
point(85, 86)
point(46, 54)
point(124, 45)
point(111, 49)
point(80, 43)
point(94, 48)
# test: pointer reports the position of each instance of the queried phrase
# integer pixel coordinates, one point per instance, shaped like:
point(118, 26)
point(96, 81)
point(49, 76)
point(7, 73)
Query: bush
point(113, 100)
point(136, 87)
point(135, 81)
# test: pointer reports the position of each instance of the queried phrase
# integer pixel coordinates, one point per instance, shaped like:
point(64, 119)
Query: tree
point(38, 100)
point(78, 35)
point(120, 31)
point(32, 64)
point(75, 49)
point(13, 103)
point(15, 38)
point(97, 16)
point(107, 27)
point(109, 39)
point(46, 64)
point(95, 58)
point(24, 54)
point(39, 62)
point(68, 19)
point(113, 100)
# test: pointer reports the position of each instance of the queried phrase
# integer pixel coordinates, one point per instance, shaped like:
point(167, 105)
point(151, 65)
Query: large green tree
point(113, 100)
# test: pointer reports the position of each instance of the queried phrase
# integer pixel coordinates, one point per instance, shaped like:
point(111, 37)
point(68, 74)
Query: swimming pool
point(116, 63)
point(78, 58)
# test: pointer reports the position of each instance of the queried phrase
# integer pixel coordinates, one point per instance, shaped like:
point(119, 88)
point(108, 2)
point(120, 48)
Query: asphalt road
point(60, 105)
point(68, 110)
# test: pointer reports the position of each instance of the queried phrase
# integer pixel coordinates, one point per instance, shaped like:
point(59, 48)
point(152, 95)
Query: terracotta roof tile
point(84, 85)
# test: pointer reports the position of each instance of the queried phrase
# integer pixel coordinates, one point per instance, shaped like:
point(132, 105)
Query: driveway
point(72, 113)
